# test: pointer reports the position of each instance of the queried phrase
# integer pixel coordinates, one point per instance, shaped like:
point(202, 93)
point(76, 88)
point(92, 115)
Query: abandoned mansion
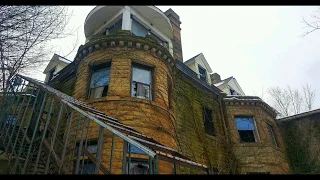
point(129, 103)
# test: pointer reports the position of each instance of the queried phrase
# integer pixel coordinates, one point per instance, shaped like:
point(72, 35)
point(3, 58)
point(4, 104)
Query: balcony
point(140, 20)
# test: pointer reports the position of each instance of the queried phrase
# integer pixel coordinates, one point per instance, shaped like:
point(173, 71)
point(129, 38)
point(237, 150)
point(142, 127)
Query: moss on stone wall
point(193, 141)
point(260, 156)
point(302, 138)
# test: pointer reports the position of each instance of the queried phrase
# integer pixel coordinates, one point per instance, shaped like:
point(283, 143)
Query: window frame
point(151, 85)
point(205, 72)
point(255, 131)
point(204, 112)
point(93, 68)
point(51, 73)
point(160, 40)
point(273, 137)
point(136, 160)
point(141, 24)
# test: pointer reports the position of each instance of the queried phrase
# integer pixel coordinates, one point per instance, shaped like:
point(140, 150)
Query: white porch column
point(126, 20)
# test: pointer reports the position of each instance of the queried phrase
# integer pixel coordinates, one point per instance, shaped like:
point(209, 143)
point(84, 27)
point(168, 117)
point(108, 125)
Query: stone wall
point(302, 137)
point(261, 156)
point(193, 141)
point(153, 118)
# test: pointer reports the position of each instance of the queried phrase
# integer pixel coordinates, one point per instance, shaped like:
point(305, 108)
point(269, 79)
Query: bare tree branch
point(24, 33)
point(309, 96)
point(291, 101)
point(313, 24)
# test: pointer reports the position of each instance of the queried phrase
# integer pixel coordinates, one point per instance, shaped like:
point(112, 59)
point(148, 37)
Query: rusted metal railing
point(45, 131)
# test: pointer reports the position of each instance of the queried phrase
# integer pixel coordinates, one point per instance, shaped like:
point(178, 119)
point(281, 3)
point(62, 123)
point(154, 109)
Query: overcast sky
point(261, 46)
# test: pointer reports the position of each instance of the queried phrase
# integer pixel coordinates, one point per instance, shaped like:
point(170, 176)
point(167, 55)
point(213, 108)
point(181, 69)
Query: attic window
point(202, 73)
point(233, 92)
point(51, 73)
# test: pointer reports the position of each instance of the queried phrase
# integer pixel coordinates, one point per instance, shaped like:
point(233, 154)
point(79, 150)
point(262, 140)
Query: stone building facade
point(301, 134)
point(131, 68)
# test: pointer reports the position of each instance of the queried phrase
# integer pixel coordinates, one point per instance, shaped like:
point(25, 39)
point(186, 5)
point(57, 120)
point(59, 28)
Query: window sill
point(112, 98)
point(256, 144)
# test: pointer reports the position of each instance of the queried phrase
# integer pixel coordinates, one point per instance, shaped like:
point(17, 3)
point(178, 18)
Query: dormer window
point(233, 92)
point(51, 73)
point(202, 73)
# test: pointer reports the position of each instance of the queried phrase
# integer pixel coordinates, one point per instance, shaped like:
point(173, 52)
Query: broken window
point(138, 166)
point(141, 82)
point(11, 120)
point(208, 122)
point(99, 81)
point(272, 136)
point(202, 72)
point(232, 92)
point(246, 128)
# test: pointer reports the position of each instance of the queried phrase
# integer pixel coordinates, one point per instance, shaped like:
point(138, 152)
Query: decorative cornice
point(125, 39)
point(249, 101)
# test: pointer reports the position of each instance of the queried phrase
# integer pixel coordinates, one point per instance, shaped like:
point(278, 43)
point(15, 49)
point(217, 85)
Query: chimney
point(176, 42)
point(215, 78)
